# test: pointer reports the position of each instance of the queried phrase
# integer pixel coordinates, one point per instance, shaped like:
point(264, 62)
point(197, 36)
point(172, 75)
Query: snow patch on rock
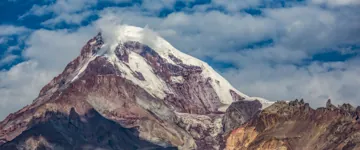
point(83, 68)
point(152, 83)
point(177, 79)
point(203, 122)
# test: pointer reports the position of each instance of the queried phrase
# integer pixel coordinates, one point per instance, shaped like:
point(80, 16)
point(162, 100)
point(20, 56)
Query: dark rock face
point(295, 125)
point(236, 96)
point(194, 96)
point(90, 131)
point(111, 96)
point(100, 66)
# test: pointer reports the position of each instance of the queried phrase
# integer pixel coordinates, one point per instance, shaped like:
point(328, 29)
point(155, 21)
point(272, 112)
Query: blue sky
point(276, 49)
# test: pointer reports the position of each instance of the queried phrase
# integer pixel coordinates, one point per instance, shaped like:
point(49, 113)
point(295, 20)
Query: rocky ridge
point(149, 91)
point(296, 126)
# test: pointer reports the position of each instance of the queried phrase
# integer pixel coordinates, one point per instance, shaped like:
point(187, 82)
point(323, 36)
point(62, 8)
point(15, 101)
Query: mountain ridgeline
point(134, 91)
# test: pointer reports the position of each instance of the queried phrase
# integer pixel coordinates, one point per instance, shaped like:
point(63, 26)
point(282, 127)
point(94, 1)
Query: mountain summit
point(128, 89)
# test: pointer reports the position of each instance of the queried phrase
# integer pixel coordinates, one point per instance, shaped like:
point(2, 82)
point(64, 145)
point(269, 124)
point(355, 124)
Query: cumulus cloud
point(67, 11)
point(20, 85)
point(6, 30)
point(54, 49)
point(47, 52)
point(7, 33)
point(61, 6)
point(315, 83)
point(77, 19)
point(157, 5)
point(334, 3)
point(235, 5)
point(7, 59)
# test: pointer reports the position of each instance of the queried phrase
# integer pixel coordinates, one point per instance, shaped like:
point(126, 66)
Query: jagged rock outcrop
point(294, 125)
point(151, 93)
point(239, 113)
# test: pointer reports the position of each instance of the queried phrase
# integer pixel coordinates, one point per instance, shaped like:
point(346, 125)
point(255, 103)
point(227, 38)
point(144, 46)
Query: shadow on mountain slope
point(91, 131)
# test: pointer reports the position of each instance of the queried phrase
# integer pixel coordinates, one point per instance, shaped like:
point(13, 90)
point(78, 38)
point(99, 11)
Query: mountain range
point(131, 89)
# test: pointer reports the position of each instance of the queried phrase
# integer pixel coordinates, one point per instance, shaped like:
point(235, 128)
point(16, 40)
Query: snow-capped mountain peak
point(115, 43)
point(135, 78)
point(130, 89)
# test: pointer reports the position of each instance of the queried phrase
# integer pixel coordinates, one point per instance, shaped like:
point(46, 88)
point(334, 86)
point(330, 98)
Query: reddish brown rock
point(296, 126)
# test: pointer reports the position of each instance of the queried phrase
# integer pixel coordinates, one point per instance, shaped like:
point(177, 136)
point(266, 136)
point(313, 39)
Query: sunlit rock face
point(295, 125)
point(130, 92)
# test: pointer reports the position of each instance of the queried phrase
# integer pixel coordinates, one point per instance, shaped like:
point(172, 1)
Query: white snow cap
point(114, 34)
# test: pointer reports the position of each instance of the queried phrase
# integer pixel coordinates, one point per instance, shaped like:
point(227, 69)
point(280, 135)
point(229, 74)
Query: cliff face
point(295, 125)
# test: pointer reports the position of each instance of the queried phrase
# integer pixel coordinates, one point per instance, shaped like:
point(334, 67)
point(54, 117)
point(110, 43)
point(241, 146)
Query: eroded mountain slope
point(296, 126)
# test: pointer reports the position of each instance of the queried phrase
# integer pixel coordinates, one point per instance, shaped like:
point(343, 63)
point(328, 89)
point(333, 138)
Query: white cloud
point(314, 83)
point(6, 30)
point(235, 5)
point(20, 85)
point(7, 59)
point(8, 33)
point(47, 52)
point(68, 18)
point(118, 1)
point(12, 48)
point(36, 10)
point(62, 6)
point(157, 5)
point(67, 11)
point(54, 49)
point(305, 28)
point(334, 3)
